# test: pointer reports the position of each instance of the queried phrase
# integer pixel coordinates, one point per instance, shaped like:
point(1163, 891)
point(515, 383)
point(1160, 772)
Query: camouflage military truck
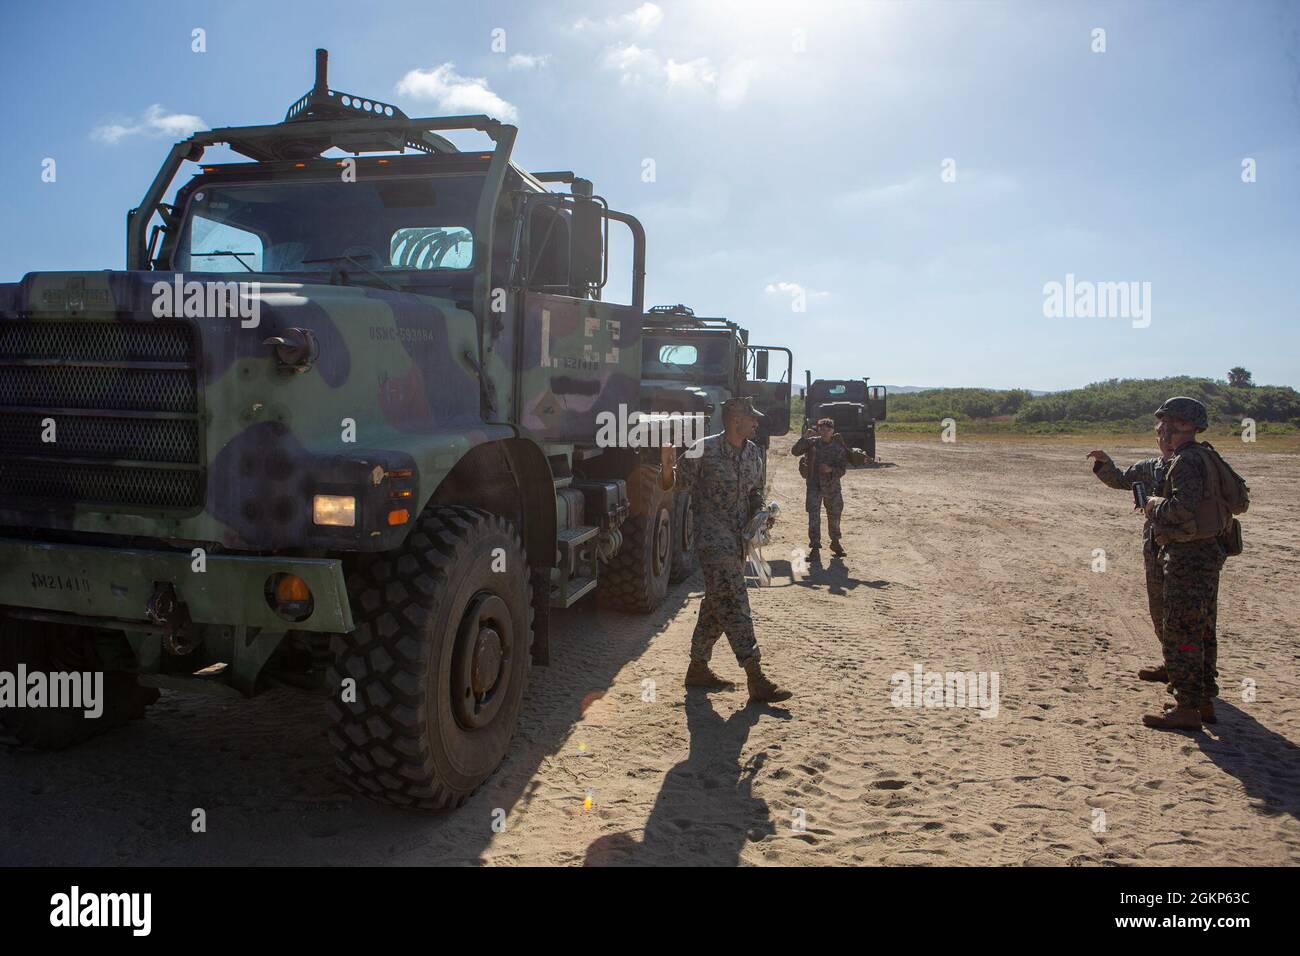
point(334, 426)
point(692, 365)
point(852, 403)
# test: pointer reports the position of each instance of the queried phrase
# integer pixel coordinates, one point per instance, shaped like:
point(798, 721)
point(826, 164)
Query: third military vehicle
point(854, 405)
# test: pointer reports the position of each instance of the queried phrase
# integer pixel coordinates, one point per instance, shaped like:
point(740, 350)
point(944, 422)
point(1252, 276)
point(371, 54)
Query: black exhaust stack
point(322, 71)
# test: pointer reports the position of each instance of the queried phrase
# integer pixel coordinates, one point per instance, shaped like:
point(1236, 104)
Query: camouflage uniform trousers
point(1183, 593)
point(725, 608)
point(833, 498)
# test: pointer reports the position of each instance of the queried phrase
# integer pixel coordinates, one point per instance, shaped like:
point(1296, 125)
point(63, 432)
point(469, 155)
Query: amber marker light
point(291, 589)
point(289, 596)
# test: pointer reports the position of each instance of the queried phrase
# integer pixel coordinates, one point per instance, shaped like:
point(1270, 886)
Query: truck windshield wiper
point(335, 260)
point(226, 252)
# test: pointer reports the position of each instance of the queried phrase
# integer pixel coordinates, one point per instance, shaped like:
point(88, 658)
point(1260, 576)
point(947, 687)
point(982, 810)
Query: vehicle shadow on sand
point(262, 772)
point(706, 810)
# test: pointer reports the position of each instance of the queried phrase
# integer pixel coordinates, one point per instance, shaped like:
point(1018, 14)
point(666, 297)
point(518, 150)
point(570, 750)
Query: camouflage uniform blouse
point(726, 486)
point(833, 453)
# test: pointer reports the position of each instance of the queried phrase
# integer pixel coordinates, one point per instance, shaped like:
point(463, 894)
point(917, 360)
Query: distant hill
point(1115, 402)
point(913, 389)
point(1136, 398)
point(933, 404)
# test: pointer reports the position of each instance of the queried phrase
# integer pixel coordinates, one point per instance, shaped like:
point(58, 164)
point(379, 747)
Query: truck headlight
point(339, 511)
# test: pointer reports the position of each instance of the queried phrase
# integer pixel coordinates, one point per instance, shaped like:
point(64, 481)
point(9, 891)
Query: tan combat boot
point(1176, 718)
point(698, 674)
point(1154, 674)
point(1207, 712)
point(762, 690)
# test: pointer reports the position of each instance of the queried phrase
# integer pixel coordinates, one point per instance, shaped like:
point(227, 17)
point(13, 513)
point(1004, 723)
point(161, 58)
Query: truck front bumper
point(117, 583)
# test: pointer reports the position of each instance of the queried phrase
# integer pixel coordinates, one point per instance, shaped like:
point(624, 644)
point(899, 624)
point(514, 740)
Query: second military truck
point(691, 365)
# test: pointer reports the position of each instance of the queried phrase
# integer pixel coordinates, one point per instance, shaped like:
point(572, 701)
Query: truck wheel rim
point(481, 661)
point(663, 541)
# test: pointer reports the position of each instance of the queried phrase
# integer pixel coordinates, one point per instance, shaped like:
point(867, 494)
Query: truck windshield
point(387, 225)
point(840, 392)
point(669, 358)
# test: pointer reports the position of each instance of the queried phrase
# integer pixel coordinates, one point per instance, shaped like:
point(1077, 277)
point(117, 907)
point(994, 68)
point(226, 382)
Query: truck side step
point(572, 592)
point(572, 537)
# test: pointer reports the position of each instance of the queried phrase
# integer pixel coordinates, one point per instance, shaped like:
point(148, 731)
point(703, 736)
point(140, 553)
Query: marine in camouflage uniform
point(1182, 575)
point(824, 452)
point(1150, 474)
point(726, 486)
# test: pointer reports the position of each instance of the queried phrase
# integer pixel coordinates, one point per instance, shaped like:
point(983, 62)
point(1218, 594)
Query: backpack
point(1232, 487)
point(1226, 495)
point(1235, 494)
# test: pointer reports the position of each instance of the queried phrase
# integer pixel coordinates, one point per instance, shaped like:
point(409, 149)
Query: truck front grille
point(99, 413)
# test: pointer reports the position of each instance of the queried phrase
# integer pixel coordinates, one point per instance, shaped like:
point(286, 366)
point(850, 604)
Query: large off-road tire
point(637, 579)
point(869, 444)
point(440, 659)
point(684, 560)
point(50, 648)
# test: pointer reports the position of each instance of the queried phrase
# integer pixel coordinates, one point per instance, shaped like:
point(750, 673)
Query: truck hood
point(201, 408)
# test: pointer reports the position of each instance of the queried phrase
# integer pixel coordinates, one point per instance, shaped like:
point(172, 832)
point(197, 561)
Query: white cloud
point(792, 288)
point(638, 66)
point(454, 93)
point(733, 84)
point(528, 61)
point(644, 19)
point(631, 61)
point(694, 74)
point(155, 122)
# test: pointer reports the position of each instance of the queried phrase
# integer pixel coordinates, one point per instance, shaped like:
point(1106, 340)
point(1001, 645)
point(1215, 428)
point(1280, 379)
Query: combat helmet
point(1188, 409)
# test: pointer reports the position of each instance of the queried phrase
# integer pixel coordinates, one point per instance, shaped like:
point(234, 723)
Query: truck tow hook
point(166, 610)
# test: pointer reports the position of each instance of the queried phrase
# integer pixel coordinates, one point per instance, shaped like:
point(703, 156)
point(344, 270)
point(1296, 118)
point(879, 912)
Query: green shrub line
point(1114, 406)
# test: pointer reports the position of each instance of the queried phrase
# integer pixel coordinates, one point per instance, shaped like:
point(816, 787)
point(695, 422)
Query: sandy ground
point(964, 557)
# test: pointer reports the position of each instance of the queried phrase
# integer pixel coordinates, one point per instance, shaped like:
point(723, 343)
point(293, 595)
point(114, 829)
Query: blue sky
point(797, 147)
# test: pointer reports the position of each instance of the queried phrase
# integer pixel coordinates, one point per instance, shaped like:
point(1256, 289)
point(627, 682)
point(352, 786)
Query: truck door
point(771, 397)
point(579, 356)
point(876, 402)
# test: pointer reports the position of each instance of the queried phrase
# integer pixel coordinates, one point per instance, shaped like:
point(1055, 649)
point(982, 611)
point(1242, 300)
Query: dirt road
point(969, 557)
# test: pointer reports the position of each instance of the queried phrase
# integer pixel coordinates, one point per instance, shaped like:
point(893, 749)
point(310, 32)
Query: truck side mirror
point(760, 365)
point(586, 263)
